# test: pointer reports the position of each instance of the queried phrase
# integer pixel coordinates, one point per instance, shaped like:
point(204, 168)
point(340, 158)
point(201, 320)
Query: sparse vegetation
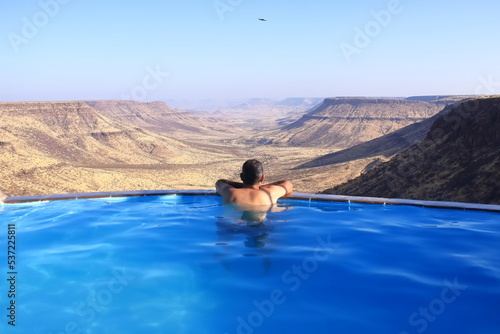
point(65, 147)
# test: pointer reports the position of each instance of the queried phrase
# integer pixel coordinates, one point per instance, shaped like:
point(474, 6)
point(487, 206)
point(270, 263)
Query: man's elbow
point(218, 185)
point(288, 186)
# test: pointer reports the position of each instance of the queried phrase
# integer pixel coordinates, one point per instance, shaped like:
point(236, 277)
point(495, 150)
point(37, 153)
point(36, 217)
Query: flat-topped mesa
point(441, 99)
point(37, 106)
point(383, 108)
point(128, 103)
point(347, 121)
point(129, 109)
point(131, 112)
point(62, 117)
point(160, 104)
point(156, 116)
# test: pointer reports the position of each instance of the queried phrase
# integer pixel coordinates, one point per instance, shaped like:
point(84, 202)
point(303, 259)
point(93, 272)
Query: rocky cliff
point(458, 160)
point(345, 122)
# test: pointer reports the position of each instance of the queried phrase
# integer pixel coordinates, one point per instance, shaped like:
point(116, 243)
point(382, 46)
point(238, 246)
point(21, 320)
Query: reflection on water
point(255, 217)
point(253, 223)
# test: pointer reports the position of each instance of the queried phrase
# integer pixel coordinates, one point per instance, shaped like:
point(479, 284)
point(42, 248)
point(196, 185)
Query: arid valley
point(87, 146)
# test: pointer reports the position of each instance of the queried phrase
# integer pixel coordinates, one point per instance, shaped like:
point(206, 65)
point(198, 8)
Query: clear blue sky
point(106, 49)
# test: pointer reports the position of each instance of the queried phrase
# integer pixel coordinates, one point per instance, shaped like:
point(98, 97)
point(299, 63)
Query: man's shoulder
point(249, 196)
point(240, 192)
point(280, 189)
point(233, 194)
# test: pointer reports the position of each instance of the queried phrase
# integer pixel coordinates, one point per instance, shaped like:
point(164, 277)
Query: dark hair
point(252, 171)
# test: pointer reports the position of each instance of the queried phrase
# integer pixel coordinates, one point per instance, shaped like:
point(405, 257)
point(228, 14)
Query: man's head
point(252, 172)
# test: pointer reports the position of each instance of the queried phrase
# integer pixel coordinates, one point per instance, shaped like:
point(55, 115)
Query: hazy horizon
point(55, 50)
point(248, 99)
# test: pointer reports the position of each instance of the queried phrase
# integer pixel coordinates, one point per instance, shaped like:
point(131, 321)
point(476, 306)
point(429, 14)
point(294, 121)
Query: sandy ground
point(52, 177)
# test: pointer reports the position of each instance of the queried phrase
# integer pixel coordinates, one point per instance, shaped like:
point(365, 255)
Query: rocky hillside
point(385, 146)
point(345, 122)
point(158, 117)
point(458, 160)
point(45, 145)
point(76, 132)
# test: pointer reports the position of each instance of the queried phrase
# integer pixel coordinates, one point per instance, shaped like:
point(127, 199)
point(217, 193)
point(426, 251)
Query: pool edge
point(295, 195)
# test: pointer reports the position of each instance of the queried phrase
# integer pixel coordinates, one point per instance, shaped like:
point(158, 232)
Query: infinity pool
point(189, 264)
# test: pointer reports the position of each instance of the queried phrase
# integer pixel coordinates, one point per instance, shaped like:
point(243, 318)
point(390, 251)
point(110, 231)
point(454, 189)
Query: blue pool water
point(189, 264)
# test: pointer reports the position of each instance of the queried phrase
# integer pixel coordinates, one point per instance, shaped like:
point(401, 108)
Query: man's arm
point(225, 189)
point(232, 183)
point(278, 189)
point(285, 184)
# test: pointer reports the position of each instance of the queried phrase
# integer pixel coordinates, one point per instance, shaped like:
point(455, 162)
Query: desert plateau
point(87, 146)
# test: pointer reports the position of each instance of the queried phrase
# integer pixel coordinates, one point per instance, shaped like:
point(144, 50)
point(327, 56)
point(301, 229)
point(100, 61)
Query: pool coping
point(295, 195)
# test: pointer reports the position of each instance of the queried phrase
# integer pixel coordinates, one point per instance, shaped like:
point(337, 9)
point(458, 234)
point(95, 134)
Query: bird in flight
point(262, 20)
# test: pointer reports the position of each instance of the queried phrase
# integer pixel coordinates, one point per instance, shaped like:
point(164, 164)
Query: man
point(252, 192)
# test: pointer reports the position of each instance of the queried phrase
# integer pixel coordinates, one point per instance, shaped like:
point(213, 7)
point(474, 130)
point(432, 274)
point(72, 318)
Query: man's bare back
point(251, 191)
point(259, 195)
